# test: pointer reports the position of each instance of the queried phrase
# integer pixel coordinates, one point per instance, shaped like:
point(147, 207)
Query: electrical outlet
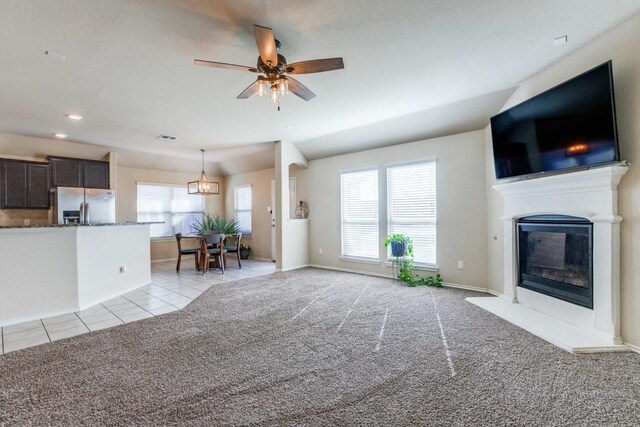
point(26, 221)
point(320, 251)
point(460, 265)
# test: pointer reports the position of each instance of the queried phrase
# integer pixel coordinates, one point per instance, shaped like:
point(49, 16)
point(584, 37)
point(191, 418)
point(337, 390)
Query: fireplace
point(561, 273)
point(555, 257)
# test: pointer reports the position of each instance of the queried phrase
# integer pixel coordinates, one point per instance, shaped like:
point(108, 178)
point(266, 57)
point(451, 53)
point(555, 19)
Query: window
point(170, 204)
point(411, 207)
point(359, 204)
point(242, 208)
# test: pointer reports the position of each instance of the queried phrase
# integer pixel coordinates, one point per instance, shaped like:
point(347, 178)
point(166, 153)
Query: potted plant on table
point(217, 223)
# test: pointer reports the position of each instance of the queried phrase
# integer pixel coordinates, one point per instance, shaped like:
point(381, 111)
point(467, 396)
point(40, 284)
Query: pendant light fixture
point(203, 186)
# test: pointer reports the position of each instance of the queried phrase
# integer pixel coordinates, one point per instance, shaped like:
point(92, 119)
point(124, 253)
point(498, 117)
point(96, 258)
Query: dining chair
point(186, 251)
point(234, 247)
point(212, 246)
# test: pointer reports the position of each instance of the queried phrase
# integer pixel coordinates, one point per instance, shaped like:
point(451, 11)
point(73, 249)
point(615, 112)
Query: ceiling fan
point(274, 71)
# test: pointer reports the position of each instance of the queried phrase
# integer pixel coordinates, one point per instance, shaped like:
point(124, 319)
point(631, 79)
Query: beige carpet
point(281, 350)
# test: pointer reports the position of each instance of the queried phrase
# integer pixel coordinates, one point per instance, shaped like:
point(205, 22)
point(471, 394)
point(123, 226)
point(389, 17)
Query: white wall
point(101, 253)
point(292, 236)
point(621, 46)
point(260, 181)
point(461, 204)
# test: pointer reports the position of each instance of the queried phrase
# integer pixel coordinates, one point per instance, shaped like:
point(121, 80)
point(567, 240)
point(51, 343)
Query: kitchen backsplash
point(18, 216)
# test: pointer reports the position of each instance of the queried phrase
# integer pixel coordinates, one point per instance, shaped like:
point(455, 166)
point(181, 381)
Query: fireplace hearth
point(555, 257)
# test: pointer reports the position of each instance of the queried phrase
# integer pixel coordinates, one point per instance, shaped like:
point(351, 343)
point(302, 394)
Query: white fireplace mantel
point(590, 194)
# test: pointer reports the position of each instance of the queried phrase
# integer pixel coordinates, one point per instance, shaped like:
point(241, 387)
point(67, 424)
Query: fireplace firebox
point(555, 254)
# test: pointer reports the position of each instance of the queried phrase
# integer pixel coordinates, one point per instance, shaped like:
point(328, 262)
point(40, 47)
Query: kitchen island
point(50, 270)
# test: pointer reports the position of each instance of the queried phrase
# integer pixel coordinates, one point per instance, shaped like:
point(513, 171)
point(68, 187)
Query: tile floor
point(167, 292)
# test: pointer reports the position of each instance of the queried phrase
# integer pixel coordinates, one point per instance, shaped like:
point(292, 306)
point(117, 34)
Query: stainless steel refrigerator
point(84, 206)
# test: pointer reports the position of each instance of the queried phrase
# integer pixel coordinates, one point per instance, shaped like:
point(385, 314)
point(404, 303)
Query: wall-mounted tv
point(572, 125)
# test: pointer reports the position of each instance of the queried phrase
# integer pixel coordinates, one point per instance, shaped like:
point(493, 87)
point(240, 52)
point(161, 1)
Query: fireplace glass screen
point(555, 257)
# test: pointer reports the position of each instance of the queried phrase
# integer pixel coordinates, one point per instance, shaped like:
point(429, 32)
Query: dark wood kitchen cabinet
point(14, 184)
point(95, 174)
point(24, 185)
point(68, 172)
point(37, 186)
point(65, 172)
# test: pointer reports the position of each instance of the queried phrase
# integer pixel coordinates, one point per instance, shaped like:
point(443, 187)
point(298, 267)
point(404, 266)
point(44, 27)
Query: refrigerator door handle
point(82, 213)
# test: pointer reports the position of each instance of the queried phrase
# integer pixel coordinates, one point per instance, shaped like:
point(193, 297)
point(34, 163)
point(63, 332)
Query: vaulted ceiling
point(413, 69)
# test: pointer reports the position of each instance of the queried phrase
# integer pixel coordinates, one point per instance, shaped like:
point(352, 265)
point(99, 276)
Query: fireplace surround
point(591, 198)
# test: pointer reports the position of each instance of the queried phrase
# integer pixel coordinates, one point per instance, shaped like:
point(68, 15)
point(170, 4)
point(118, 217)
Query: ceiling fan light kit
point(272, 67)
point(203, 186)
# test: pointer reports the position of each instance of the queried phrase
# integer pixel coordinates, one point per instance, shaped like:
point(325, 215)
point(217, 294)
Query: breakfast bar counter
point(56, 269)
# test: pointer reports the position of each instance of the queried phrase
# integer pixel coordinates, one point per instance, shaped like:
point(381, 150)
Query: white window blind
point(411, 207)
point(359, 207)
point(242, 207)
point(170, 204)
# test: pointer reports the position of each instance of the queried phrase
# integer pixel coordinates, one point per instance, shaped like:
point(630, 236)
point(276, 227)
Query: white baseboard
point(465, 287)
point(349, 270)
point(389, 276)
point(633, 347)
point(293, 268)
point(164, 260)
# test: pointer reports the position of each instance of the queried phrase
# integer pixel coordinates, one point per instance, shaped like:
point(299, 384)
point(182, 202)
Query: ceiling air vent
point(168, 138)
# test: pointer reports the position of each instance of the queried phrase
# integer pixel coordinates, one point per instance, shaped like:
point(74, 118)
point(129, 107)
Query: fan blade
point(224, 65)
point(250, 90)
point(299, 89)
point(266, 45)
point(314, 66)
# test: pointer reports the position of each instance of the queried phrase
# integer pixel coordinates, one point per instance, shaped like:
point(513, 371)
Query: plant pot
point(245, 253)
point(398, 249)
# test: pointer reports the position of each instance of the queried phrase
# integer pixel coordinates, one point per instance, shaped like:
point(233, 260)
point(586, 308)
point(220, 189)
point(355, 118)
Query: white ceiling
point(413, 69)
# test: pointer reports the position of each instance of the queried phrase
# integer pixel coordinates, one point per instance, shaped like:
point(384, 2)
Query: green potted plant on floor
point(402, 250)
point(245, 251)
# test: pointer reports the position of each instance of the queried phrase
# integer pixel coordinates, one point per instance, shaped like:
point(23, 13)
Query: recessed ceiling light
point(74, 116)
point(60, 135)
point(560, 40)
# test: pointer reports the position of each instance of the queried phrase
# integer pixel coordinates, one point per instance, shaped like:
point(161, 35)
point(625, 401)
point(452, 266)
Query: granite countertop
point(4, 227)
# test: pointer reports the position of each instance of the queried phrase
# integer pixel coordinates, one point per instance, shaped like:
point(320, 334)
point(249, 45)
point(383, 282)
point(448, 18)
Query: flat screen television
point(572, 125)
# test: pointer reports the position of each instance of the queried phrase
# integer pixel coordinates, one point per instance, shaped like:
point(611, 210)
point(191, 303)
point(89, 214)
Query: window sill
point(361, 260)
point(298, 220)
point(421, 267)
